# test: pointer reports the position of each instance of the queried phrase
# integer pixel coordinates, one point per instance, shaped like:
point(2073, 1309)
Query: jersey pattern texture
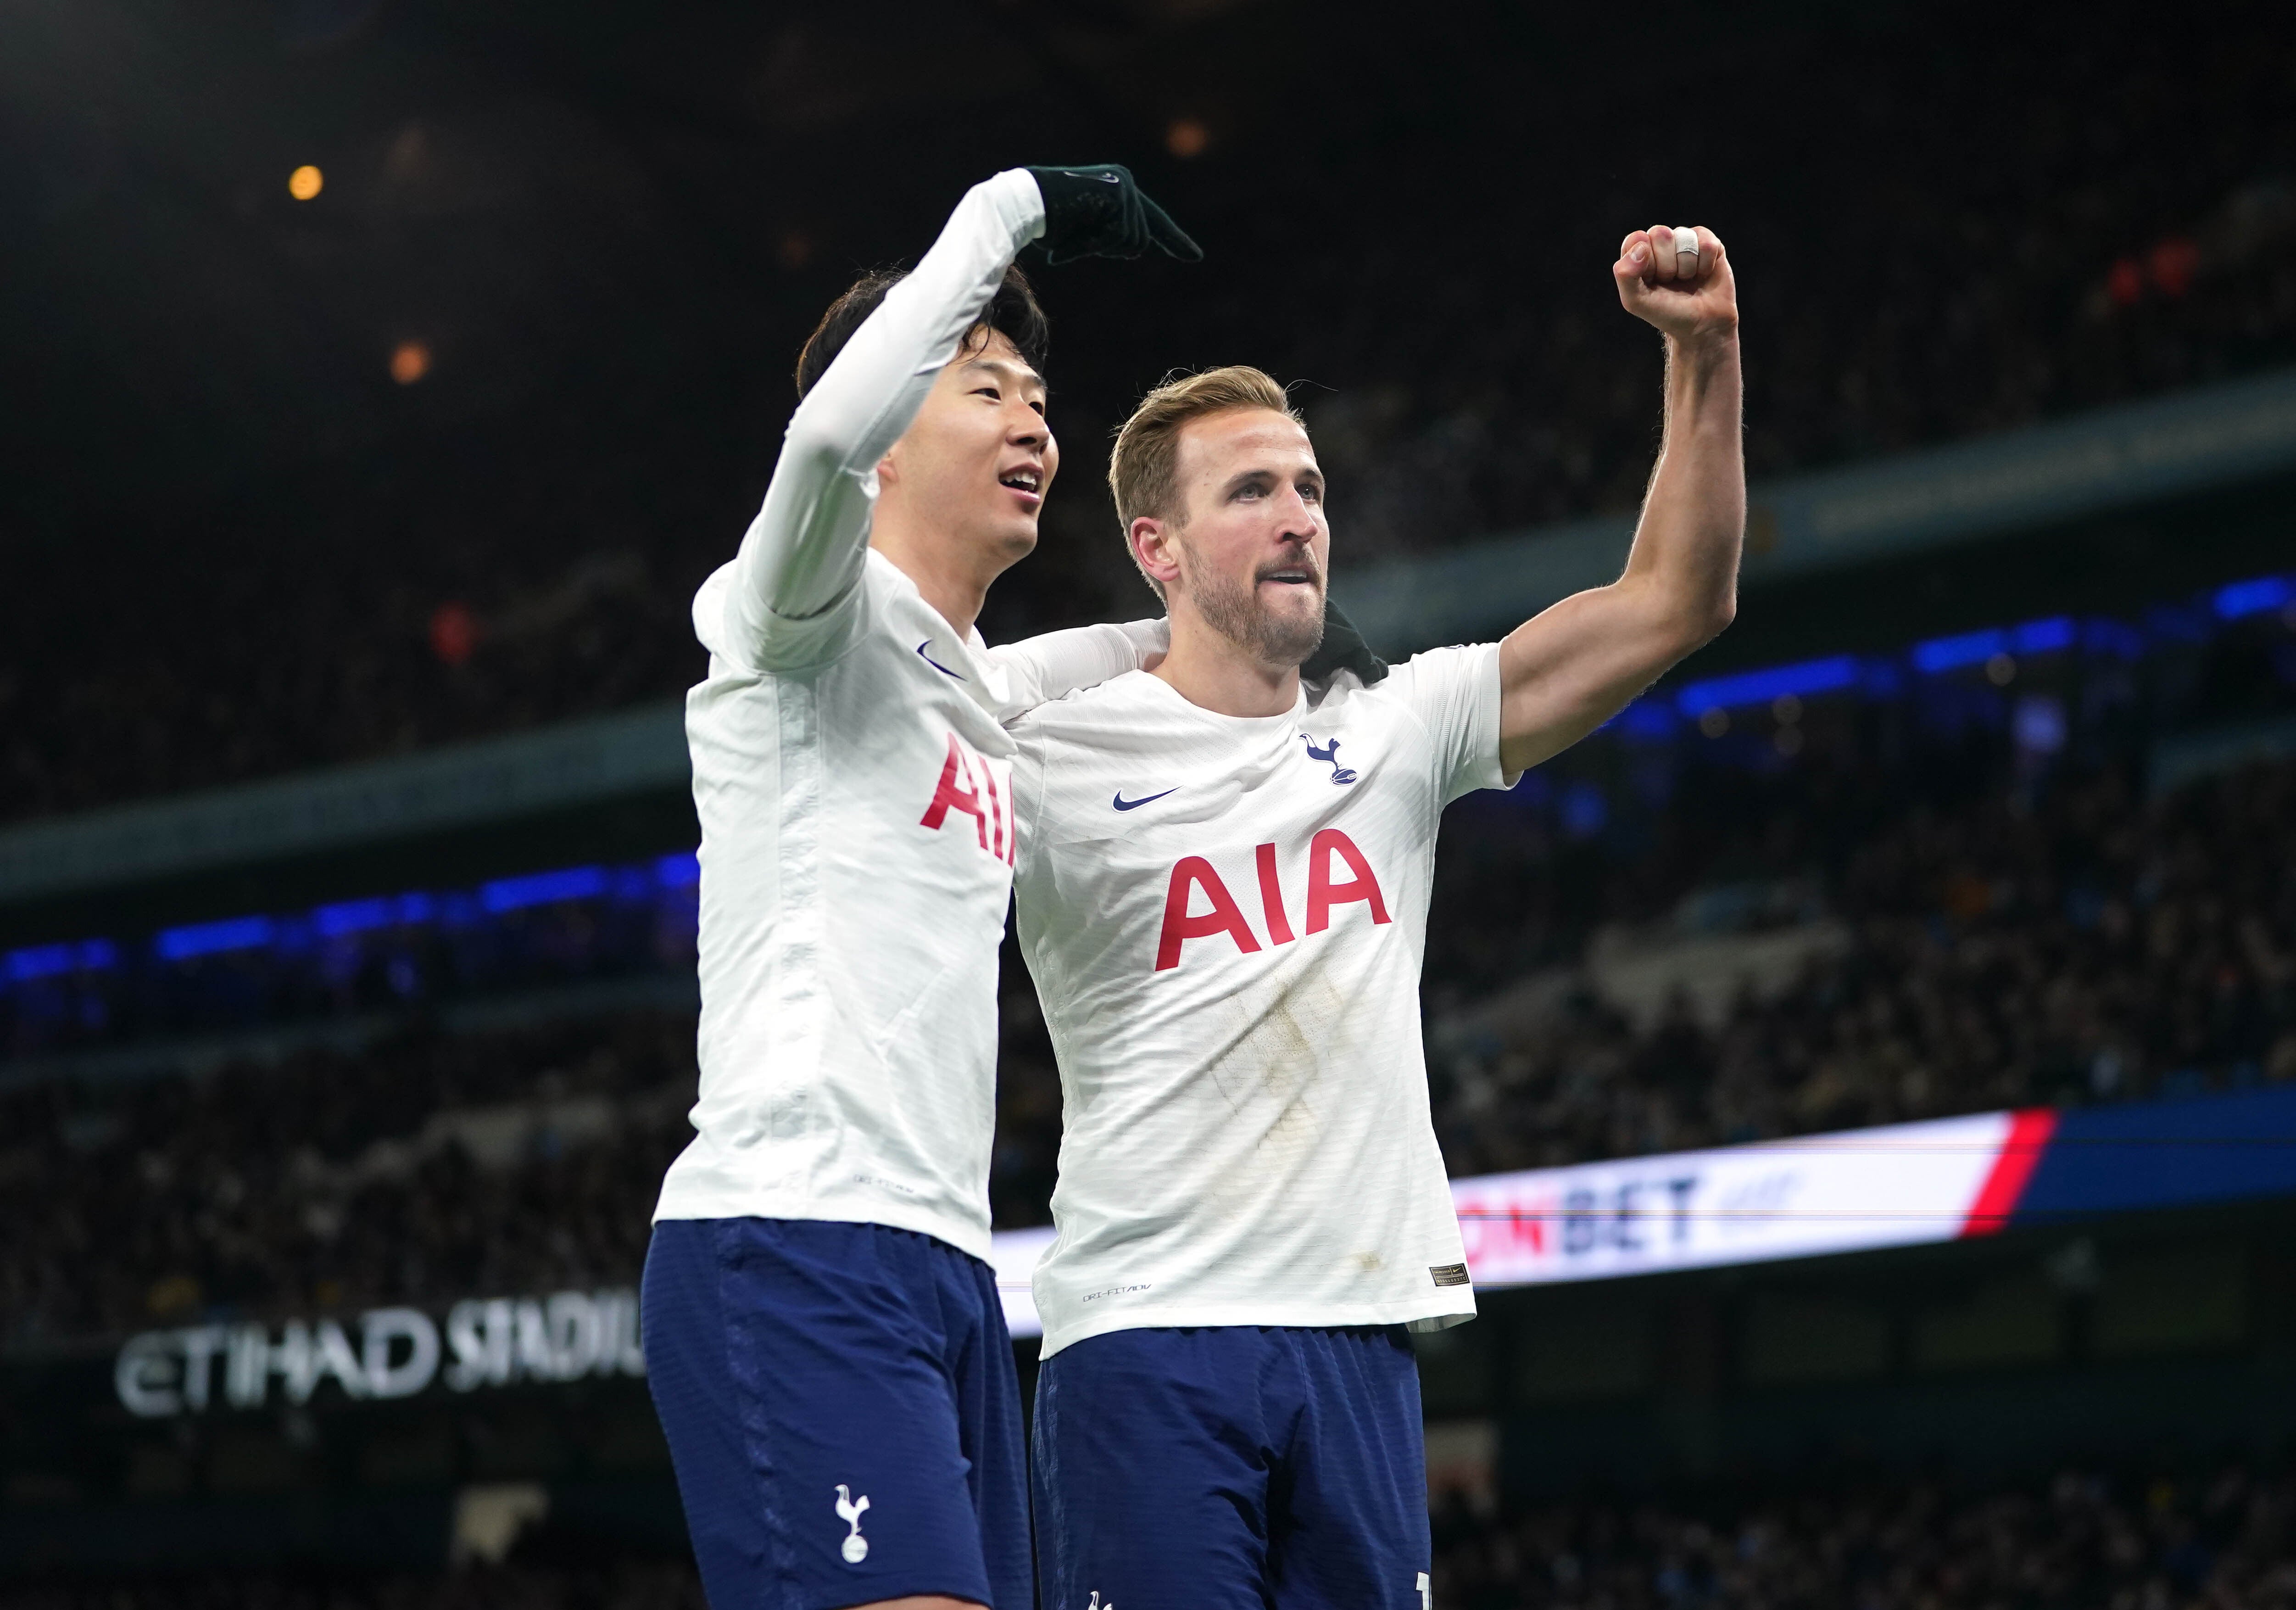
point(856, 836)
point(1225, 918)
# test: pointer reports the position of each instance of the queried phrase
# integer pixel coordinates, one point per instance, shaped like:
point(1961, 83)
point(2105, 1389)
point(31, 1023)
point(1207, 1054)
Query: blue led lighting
point(1968, 648)
point(1760, 686)
point(207, 939)
point(2052, 636)
point(2044, 637)
point(1647, 719)
point(354, 917)
point(40, 961)
point(2254, 597)
point(678, 871)
point(543, 888)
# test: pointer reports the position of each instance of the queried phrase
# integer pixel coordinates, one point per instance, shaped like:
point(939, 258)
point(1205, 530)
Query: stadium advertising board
point(1857, 1190)
point(396, 1353)
point(1863, 1189)
point(1897, 1186)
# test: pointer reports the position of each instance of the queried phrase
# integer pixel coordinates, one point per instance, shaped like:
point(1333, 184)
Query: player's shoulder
point(1405, 685)
point(1118, 705)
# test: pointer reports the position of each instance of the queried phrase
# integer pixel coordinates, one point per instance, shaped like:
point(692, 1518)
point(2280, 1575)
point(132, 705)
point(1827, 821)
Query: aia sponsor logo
point(974, 786)
point(1338, 874)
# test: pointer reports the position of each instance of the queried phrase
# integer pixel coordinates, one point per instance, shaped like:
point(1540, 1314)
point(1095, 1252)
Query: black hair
point(1012, 312)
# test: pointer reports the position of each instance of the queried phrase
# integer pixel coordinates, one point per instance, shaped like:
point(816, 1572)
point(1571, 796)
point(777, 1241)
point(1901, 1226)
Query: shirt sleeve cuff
point(1020, 204)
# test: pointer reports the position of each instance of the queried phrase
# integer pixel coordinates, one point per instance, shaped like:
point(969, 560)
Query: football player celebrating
point(824, 1337)
point(1223, 885)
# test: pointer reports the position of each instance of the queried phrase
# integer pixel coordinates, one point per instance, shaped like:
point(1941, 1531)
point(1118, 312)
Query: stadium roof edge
point(2211, 436)
point(490, 781)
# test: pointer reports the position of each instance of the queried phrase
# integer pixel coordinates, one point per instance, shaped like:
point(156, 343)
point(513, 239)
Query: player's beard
point(1234, 610)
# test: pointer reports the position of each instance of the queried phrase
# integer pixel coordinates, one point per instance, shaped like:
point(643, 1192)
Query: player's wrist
point(1707, 346)
point(1021, 201)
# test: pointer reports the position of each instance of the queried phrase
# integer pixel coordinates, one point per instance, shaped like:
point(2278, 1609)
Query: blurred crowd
point(2077, 213)
point(636, 1583)
point(2226, 1542)
point(2081, 1541)
point(2080, 944)
point(422, 1169)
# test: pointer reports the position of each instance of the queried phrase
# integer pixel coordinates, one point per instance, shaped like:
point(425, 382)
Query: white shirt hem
point(1306, 1315)
point(974, 1243)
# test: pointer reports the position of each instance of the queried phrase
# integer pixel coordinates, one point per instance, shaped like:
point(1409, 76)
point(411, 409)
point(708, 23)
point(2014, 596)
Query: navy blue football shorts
point(1232, 1467)
point(842, 1411)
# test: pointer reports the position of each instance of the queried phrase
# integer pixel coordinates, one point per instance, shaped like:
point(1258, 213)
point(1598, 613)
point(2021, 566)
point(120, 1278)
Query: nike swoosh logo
point(936, 664)
point(1124, 804)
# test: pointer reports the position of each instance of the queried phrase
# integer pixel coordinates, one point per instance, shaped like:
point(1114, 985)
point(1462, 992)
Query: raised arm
point(1573, 666)
point(804, 552)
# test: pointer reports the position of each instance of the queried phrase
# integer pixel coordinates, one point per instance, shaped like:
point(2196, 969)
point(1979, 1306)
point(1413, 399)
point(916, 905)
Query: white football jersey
point(854, 783)
point(1225, 918)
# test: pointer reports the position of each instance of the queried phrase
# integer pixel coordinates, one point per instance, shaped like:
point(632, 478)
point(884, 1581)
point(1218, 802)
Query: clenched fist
point(1678, 280)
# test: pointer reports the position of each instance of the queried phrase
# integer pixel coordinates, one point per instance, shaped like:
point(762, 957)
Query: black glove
point(1342, 649)
point(1098, 211)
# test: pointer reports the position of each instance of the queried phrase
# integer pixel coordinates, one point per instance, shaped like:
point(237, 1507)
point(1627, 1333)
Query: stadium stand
point(2029, 948)
point(424, 1168)
point(621, 1584)
point(2080, 1538)
point(2218, 1539)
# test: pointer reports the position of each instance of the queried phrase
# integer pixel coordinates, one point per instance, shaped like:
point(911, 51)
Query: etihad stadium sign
point(383, 1353)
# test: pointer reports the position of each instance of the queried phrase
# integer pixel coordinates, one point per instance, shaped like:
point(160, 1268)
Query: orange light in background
point(454, 632)
point(2173, 262)
point(305, 182)
point(410, 361)
point(1186, 137)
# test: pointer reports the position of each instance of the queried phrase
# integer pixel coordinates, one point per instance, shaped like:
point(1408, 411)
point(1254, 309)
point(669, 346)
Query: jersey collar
point(967, 662)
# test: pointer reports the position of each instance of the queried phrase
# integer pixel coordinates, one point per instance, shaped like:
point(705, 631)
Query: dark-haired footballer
point(824, 1337)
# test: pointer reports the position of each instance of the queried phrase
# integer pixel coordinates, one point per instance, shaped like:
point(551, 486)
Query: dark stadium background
point(437, 457)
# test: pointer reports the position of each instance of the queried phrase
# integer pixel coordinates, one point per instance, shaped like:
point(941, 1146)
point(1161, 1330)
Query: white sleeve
point(1041, 669)
point(1455, 693)
point(795, 596)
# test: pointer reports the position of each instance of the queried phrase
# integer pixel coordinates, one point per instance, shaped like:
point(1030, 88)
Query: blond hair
point(1143, 469)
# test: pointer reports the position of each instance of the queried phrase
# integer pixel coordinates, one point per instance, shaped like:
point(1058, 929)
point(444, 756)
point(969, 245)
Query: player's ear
point(887, 470)
point(1153, 545)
